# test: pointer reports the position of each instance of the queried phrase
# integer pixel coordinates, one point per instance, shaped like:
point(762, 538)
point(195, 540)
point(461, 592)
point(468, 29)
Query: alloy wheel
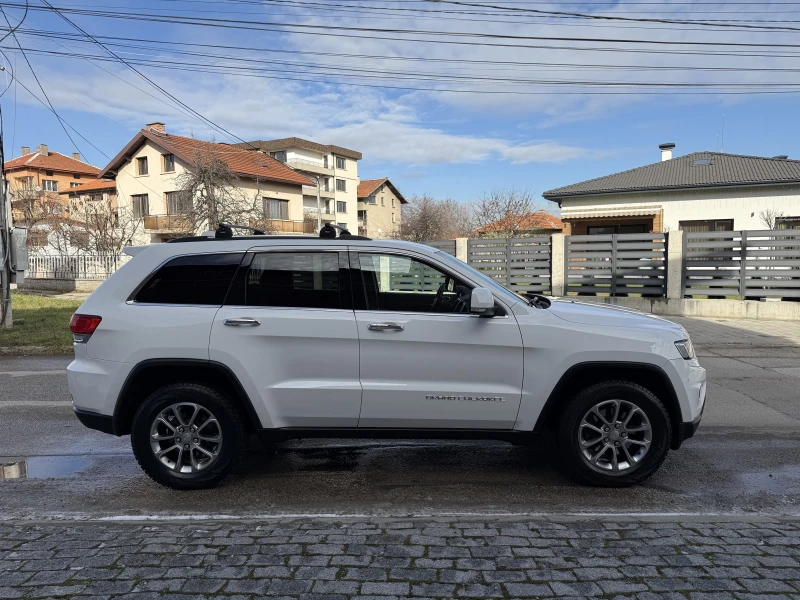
point(614, 435)
point(186, 437)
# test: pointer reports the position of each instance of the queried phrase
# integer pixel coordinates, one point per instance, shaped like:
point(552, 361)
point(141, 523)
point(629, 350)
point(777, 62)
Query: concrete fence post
point(462, 253)
point(557, 275)
point(674, 264)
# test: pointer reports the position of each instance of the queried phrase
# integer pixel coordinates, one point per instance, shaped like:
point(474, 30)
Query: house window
point(76, 176)
point(787, 223)
point(383, 203)
point(178, 203)
point(50, 185)
point(707, 225)
point(276, 209)
point(141, 205)
point(341, 206)
point(327, 180)
point(341, 163)
point(392, 217)
point(342, 225)
point(48, 173)
point(141, 165)
point(341, 185)
point(610, 229)
point(169, 163)
point(372, 200)
point(325, 161)
point(362, 215)
point(279, 155)
point(72, 184)
point(393, 202)
point(27, 183)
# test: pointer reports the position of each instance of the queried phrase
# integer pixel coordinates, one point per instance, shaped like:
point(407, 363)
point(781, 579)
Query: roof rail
point(225, 232)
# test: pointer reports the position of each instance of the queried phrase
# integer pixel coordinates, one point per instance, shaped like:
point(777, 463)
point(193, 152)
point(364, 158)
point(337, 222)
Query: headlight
point(685, 348)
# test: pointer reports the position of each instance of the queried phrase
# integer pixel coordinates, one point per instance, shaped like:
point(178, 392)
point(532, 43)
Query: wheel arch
point(149, 375)
point(583, 375)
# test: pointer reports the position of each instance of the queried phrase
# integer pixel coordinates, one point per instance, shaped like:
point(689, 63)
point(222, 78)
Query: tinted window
point(199, 279)
point(300, 280)
point(403, 284)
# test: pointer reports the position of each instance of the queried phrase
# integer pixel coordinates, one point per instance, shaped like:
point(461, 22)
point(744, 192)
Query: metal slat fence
point(622, 264)
point(89, 266)
point(520, 264)
point(743, 264)
point(447, 246)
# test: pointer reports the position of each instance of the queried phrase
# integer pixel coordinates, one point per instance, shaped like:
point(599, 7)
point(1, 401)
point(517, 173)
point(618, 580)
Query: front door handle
point(242, 322)
point(385, 327)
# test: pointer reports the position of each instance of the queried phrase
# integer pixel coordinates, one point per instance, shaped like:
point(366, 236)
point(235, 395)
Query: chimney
point(159, 127)
point(666, 151)
point(26, 150)
point(76, 155)
point(42, 149)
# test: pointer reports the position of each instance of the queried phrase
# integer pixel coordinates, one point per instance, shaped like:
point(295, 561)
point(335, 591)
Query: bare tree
point(505, 212)
point(44, 215)
point(212, 193)
point(102, 226)
point(769, 217)
point(427, 219)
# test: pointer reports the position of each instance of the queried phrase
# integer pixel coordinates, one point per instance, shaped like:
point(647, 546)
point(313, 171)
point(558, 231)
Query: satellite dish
point(38, 188)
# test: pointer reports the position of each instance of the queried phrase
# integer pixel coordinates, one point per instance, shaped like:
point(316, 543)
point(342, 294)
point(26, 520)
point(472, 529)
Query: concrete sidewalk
point(753, 370)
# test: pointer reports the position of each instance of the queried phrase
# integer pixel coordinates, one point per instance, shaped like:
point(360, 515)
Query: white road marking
point(33, 373)
point(15, 403)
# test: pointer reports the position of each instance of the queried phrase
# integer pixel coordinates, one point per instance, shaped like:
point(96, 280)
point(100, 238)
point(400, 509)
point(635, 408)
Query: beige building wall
point(743, 205)
point(383, 217)
point(158, 182)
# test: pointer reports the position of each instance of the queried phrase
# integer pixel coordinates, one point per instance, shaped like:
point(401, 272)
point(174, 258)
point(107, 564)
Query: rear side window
point(294, 280)
point(198, 279)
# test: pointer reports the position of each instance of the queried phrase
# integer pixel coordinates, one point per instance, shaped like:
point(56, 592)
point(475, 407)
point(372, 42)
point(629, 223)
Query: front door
point(426, 362)
point(288, 331)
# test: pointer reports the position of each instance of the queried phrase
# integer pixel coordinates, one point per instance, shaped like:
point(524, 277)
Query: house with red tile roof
point(99, 192)
point(379, 208)
point(148, 169)
point(38, 178)
point(532, 223)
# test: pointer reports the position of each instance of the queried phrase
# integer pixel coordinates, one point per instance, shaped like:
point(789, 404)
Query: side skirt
point(294, 433)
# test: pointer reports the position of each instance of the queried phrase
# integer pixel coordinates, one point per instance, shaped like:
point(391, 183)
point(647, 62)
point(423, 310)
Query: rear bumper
point(93, 420)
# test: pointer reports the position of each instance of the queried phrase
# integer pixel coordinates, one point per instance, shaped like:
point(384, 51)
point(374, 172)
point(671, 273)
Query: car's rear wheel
point(614, 434)
point(187, 436)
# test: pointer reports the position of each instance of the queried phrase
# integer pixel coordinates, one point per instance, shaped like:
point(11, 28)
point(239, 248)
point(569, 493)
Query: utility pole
point(6, 319)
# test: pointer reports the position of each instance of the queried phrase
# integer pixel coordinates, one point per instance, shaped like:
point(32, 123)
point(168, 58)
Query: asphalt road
point(745, 458)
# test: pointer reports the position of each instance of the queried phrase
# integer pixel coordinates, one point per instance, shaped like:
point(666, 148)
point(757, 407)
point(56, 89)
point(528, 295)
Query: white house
point(333, 167)
point(703, 191)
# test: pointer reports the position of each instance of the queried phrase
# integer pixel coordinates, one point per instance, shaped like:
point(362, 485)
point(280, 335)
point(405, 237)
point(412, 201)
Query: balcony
point(310, 166)
point(167, 223)
point(280, 226)
point(311, 190)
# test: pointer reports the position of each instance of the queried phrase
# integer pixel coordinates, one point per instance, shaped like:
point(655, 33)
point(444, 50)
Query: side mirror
point(482, 302)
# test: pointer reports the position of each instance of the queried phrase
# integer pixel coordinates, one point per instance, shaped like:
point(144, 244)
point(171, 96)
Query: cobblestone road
point(698, 560)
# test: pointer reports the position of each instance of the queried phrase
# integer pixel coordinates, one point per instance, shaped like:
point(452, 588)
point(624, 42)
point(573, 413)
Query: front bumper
point(685, 431)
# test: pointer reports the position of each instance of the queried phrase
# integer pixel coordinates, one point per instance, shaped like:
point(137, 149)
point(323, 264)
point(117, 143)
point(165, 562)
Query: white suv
point(194, 344)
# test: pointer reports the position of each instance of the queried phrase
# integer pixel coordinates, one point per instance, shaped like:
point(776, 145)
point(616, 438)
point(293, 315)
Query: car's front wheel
point(614, 433)
point(187, 436)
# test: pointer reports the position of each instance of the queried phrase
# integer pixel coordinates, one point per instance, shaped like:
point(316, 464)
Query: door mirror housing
point(482, 302)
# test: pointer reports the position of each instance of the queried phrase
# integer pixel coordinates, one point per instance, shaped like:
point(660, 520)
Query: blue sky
point(428, 141)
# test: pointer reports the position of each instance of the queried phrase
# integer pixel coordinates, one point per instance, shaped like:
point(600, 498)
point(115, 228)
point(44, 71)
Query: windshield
point(485, 279)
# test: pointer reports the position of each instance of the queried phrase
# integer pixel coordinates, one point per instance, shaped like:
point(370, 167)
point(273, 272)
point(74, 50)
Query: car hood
point(611, 316)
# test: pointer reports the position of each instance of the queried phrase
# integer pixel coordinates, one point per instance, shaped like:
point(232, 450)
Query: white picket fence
point(82, 266)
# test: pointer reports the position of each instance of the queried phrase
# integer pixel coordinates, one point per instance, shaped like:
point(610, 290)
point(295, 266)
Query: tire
point(637, 458)
point(210, 456)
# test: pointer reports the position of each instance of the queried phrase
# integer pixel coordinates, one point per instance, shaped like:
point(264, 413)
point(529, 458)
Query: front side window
point(169, 163)
point(341, 206)
point(50, 185)
point(294, 280)
point(404, 284)
point(341, 163)
point(140, 205)
point(201, 279)
point(178, 203)
point(141, 165)
point(341, 185)
point(276, 209)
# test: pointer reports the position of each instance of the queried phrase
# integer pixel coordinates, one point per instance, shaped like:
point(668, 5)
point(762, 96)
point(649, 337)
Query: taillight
point(83, 326)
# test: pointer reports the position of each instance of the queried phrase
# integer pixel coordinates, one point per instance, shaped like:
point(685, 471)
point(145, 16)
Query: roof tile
point(54, 161)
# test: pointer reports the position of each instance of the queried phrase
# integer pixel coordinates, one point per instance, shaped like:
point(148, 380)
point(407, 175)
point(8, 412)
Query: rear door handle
point(242, 322)
point(385, 327)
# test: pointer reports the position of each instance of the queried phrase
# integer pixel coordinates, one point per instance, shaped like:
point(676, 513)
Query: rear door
point(426, 362)
point(288, 331)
